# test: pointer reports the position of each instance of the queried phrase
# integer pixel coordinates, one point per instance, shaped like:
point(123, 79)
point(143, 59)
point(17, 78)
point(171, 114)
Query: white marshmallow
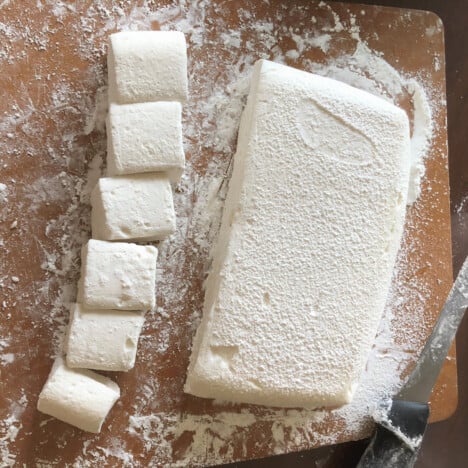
point(145, 137)
point(133, 207)
point(309, 236)
point(147, 66)
point(117, 275)
point(81, 397)
point(103, 339)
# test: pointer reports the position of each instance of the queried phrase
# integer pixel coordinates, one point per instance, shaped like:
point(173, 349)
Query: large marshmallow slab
point(310, 232)
point(103, 339)
point(117, 275)
point(78, 397)
point(134, 207)
point(147, 66)
point(145, 137)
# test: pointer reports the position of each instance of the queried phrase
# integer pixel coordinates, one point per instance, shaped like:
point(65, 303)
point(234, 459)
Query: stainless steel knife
point(401, 422)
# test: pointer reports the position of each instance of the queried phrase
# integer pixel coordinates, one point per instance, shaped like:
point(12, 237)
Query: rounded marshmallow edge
point(78, 397)
point(134, 207)
point(117, 275)
point(145, 137)
point(102, 339)
point(147, 66)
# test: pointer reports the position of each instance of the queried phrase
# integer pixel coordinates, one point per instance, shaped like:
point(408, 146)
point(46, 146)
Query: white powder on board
point(3, 193)
point(367, 70)
point(10, 428)
point(420, 140)
point(218, 113)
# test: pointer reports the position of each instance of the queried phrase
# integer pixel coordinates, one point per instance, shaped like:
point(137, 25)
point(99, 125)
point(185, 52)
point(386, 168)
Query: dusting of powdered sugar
point(366, 70)
point(420, 140)
point(3, 193)
point(155, 429)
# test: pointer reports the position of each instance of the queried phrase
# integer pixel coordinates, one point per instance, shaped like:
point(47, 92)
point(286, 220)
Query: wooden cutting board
point(52, 147)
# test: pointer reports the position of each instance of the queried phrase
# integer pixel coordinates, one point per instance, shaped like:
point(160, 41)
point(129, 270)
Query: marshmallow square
point(147, 66)
point(133, 207)
point(145, 137)
point(103, 339)
point(117, 275)
point(78, 397)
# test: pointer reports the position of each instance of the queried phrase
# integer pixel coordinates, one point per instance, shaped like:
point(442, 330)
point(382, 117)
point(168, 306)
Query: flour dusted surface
point(311, 227)
point(50, 117)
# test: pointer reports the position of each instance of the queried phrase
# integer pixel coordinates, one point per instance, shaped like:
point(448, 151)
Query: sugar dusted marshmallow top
point(310, 231)
point(134, 207)
point(78, 397)
point(147, 66)
point(145, 137)
point(117, 275)
point(103, 339)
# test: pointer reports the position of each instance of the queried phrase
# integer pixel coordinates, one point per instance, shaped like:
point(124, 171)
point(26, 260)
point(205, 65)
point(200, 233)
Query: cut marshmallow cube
point(103, 339)
point(117, 275)
point(133, 207)
point(145, 137)
point(147, 66)
point(78, 397)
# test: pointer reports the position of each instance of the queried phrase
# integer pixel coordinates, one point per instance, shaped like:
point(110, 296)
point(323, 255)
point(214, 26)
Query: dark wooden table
point(445, 443)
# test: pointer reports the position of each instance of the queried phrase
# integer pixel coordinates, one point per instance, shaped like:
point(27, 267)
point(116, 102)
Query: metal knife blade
point(401, 423)
point(419, 385)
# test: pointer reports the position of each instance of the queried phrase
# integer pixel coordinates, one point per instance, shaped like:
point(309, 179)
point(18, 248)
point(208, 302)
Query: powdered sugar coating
point(145, 137)
point(147, 66)
point(310, 232)
point(117, 275)
point(151, 428)
point(102, 339)
point(133, 207)
point(77, 396)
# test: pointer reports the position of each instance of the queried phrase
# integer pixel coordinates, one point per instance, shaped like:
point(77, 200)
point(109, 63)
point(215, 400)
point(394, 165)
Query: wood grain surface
point(401, 39)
